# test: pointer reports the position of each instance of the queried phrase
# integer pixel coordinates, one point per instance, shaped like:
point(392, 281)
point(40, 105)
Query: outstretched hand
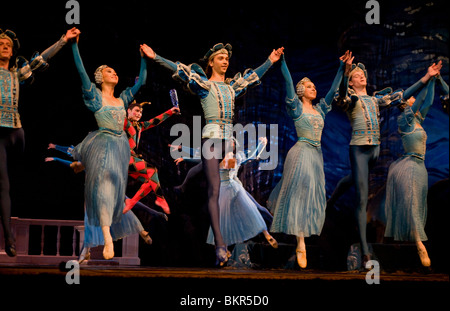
point(71, 34)
point(435, 69)
point(276, 55)
point(147, 51)
point(347, 59)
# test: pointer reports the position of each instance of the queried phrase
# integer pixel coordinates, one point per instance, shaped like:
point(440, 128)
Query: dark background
point(397, 52)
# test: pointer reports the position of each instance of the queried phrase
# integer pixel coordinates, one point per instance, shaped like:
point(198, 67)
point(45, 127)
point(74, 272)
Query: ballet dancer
point(298, 201)
point(217, 96)
point(240, 215)
point(13, 72)
point(140, 169)
point(363, 113)
point(105, 153)
point(407, 181)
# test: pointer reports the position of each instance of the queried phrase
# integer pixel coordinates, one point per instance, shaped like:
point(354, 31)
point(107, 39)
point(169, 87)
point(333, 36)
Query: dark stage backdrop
point(397, 52)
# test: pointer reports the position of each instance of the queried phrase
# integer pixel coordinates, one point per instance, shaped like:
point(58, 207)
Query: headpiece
point(218, 48)
point(300, 87)
point(98, 75)
point(8, 34)
point(355, 68)
point(135, 104)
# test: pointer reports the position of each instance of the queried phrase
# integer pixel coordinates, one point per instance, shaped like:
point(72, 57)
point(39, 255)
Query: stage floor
point(181, 288)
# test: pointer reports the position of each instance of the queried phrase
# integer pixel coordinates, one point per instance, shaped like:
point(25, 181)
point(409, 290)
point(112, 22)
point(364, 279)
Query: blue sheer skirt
point(406, 200)
point(240, 218)
point(106, 157)
point(298, 201)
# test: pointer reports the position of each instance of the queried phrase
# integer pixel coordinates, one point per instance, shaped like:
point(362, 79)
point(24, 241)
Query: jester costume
point(138, 168)
point(12, 137)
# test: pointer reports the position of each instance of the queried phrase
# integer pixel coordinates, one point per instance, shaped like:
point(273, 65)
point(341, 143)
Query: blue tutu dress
point(105, 154)
point(240, 218)
point(407, 181)
point(298, 201)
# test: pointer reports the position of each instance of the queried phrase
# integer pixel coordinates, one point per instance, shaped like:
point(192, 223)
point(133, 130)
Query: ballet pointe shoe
point(272, 241)
point(222, 255)
point(161, 202)
point(423, 255)
point(146, 237)
point(301, 258)
point(129, 204)
point(85, 255)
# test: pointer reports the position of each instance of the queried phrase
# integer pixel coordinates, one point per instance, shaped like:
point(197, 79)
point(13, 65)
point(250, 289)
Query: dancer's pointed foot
point(85, 255)
point(301, 258)
point(366, 258)
point(108, 250)
point(271, 240)
point(161, 202)
point(144, 234)
point(129, 204)
point(222, 255)
point(10, 249)
point(423, 254)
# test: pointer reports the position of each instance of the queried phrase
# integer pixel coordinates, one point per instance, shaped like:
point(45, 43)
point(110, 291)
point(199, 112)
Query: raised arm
point(273, 58)
point(254, 154)
point(142, 72)
point(85, 81)
point(345, 64)
point(71, 34)
point(432, 71)
point(429, 99)
point(150, 53)
point(161, 118)
point(289, 84)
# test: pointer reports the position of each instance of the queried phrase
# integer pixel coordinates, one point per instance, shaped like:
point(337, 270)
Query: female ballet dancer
point(407, 181)
point(241, 217)
point(217, 96)
point(105, 153)
point(130, 220)
point(15, 71)
point(140, 169)
point(298, 201)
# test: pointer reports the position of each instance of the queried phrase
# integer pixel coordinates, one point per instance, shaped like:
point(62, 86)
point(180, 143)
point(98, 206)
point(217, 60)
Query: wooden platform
point(173, 286)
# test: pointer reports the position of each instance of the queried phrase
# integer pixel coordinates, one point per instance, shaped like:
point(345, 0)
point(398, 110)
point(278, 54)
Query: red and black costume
point(139, 169)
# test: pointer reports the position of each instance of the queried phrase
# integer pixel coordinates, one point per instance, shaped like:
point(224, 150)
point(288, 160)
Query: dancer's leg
point(148, 175)
point(270, 239)
point(108, 249)
point(211, 168)
point(301, 251)
point(194, 171)
point(422, 251)
point(12, 144)
point(362, 158)
point(342, 186)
